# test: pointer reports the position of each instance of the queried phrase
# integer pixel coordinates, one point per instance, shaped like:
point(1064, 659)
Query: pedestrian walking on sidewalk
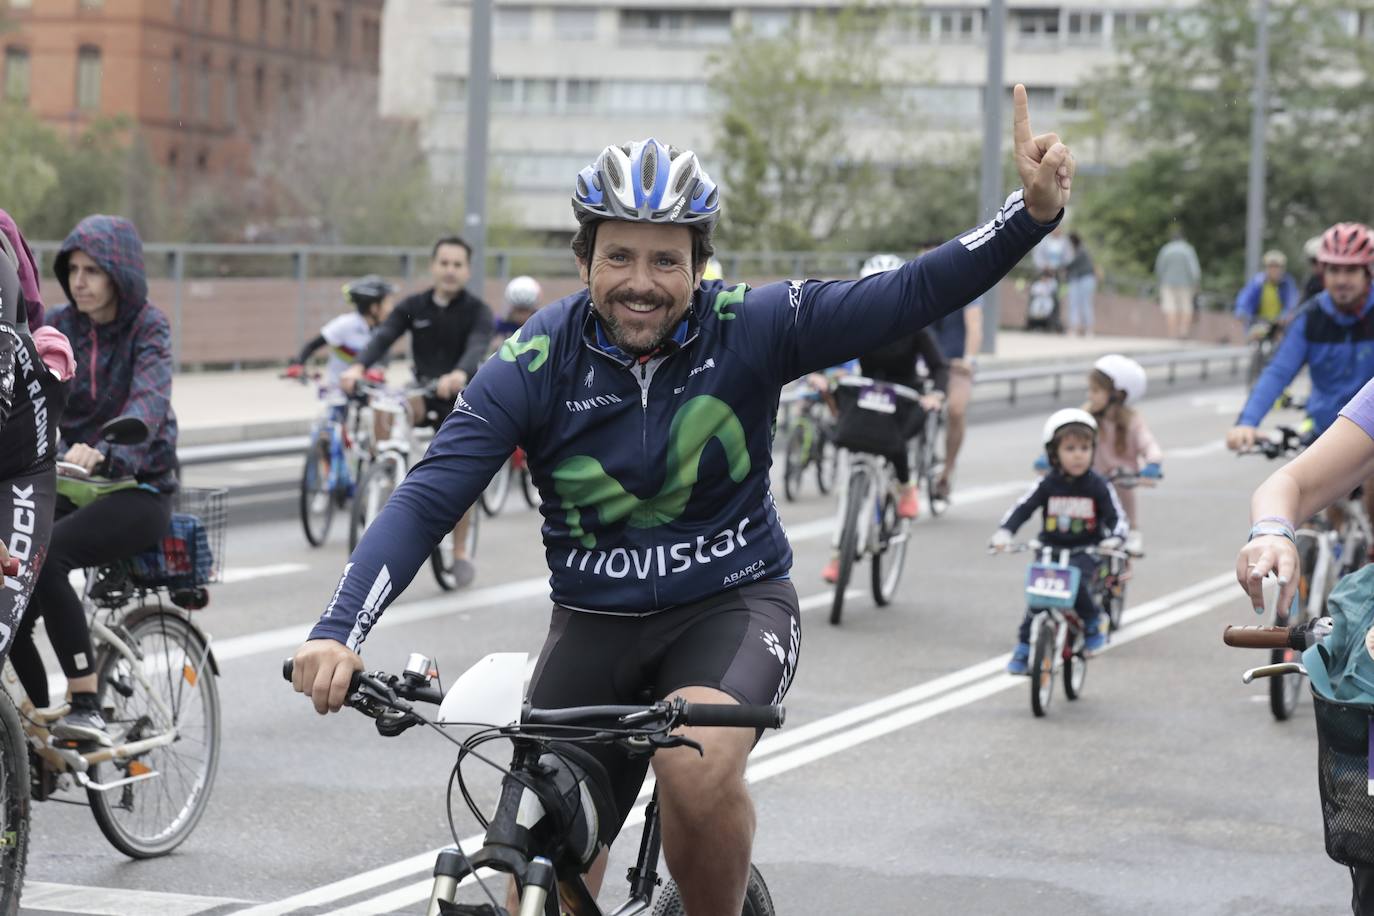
point(1179, 276)
point(1082, 276)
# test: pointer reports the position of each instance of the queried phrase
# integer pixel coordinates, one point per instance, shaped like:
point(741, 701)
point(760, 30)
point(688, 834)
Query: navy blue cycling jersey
point(653, 474)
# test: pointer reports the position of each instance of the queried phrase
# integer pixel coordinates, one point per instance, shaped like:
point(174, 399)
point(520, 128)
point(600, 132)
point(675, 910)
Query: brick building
point(198, 77)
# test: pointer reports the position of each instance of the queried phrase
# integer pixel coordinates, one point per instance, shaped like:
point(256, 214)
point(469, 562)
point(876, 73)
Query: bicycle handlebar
point(366, 690)
point(1264, 638)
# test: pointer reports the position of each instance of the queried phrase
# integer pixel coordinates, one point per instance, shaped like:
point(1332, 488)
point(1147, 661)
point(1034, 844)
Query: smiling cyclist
point(646, 406)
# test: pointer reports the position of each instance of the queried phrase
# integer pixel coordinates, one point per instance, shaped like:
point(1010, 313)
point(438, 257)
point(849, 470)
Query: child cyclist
point(1078, 508)
point(348, 334)
point(1125, 444)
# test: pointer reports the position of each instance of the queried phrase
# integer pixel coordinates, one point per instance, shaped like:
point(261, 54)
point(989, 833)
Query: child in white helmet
point(1078, 508)
point(1125, 444)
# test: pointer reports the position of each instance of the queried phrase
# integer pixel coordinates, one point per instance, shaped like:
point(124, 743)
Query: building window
point(1085, 28)
point(262, 21)
point(259, 86)
point(676, 26)
point(514, 23)
point(90, 4)
point(88, 78)
point(203, 90)
point(372, 40)
point(288, 14)
point(17, 75)
point(960, 25)
point(1037, 26)
point(1125, 25)
point(234, 17)
point(450, 92)
point(21, 4)
point(340, 34)
point(174, 83)
point(312, 27)
point(581, 96)
point(207, 14)
point(285, 87)
point(575, 23)
point(771, 23)
point(172, 158)
point(231, 95)
point(621, 97)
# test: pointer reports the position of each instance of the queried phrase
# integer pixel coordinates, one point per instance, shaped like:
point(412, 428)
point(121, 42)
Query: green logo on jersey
point(582, 483)
point(727, 299)
point(515, 347)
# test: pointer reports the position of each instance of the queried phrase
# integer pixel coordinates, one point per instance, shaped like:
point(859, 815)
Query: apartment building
point(573, 75)
point(197, 77)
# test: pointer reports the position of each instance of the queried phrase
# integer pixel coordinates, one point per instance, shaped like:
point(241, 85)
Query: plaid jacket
point(123, 368)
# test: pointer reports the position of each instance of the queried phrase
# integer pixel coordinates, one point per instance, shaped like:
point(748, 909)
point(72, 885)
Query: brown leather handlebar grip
point(1256, 637)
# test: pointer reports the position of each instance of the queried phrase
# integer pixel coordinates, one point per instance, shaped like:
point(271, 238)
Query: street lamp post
point(475, 157)
point(1259, 119)
point(990, 186)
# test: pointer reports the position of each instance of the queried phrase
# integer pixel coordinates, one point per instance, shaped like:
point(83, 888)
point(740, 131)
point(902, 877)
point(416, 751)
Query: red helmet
point(1347, 243)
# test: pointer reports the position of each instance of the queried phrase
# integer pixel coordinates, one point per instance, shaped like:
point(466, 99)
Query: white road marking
point(253, 573)
point(109, 901)
point(811, 742)
point(1196, 451)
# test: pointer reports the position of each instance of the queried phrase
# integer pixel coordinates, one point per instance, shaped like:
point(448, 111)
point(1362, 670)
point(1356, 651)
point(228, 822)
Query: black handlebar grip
point(720, 714)
point(287, 666)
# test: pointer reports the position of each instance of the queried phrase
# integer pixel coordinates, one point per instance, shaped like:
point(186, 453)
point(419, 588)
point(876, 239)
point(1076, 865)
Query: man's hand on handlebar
point(349, 378)
point(450, 383)
point(84, 457)
point(1240, 438)
point(933, 400)
point(1265, 554)
point(322, 671)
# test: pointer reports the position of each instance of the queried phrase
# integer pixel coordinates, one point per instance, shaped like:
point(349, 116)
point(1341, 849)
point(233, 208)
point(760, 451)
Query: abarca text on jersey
point(654, 475)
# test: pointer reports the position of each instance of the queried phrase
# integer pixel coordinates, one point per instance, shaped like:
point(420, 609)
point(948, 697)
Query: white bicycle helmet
point(880, 263)
point(647, 182)
point(523, 292)
point(1127, 375)
point(1069, 416)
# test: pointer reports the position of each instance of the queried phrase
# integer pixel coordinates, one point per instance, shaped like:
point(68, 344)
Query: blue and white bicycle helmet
point(647, 182)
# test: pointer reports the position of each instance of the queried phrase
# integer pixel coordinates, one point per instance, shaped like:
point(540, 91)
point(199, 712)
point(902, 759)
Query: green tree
point(1189, 120)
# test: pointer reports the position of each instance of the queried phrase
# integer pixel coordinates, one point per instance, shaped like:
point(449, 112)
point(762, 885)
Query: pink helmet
point(1347, 243)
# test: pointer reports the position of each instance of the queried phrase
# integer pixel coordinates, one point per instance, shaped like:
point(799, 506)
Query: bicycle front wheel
point(1042, 668)
point(933, 465)
point(14, 806)
point(887, 563)
point(794, 462)
point(378, 483)
point(757, 900)
point(317, 503)
point(849, 537)
point(827, 462)
point(165, 696)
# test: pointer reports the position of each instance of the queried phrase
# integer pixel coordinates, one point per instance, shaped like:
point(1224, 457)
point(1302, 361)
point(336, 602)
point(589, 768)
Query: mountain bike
point(809, 444)
point(388, 469)
point(1326, 552)
point(1057, 633)
point(870, 526)
point(1263, 339)
point(340, 442)
point(555, 810)
point(156, 688)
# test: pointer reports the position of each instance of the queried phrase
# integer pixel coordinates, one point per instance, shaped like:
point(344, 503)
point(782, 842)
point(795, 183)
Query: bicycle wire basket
point(191, 552)
point(1344, 779)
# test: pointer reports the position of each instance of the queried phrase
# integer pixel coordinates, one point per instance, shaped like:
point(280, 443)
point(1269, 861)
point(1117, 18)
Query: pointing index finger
point(1021, 129)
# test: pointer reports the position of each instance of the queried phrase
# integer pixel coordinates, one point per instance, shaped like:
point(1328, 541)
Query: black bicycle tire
point(1041, 655)
point(441, 559)
point(881, 596)
point(849, 539)
point(383, 463)
point(1286, 690)
point(827, 462)
point(102, 802)
point(1075, 664)
point(757, 900)
point(935, 469)
point(1116, 604)
point(492, 504)
point(793, 463)
point(528, 489)
point(312, 464)
point(14, 807)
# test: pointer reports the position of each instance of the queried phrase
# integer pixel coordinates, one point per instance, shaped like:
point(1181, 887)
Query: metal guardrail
point(1012, 377)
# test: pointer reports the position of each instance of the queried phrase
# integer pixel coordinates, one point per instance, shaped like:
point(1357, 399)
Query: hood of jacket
point(114, 244)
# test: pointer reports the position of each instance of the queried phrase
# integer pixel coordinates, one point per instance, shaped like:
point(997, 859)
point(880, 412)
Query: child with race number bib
point(1125, 444)
point(347, 335)
point(1078, 508)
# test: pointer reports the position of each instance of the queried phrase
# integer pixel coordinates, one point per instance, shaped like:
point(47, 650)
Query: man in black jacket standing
point(450, 329)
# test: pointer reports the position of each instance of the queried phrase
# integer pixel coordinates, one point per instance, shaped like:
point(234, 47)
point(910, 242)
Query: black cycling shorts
point(743, 642)
point(26, 508)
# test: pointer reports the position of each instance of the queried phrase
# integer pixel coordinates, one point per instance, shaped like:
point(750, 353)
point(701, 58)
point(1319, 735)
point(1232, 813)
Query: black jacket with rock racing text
point(1074, 511)
point(654, 475)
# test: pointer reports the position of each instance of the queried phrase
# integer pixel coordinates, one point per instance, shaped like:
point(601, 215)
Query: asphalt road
point(911, 776)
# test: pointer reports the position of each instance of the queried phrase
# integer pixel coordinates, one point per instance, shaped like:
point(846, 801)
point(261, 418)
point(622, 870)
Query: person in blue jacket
point(1332, 334)
point(646, 405)
point(1271, 296)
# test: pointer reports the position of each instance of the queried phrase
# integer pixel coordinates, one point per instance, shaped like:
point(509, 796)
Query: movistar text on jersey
point(664, 559)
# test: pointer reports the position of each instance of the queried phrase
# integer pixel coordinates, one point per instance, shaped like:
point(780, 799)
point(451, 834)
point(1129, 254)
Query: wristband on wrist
point(1272, 530)
point(1287, 523)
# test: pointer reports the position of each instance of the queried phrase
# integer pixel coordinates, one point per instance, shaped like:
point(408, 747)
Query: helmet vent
point(613, 172)
point(682, 182)
point(648, 167)
point(582, 187)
